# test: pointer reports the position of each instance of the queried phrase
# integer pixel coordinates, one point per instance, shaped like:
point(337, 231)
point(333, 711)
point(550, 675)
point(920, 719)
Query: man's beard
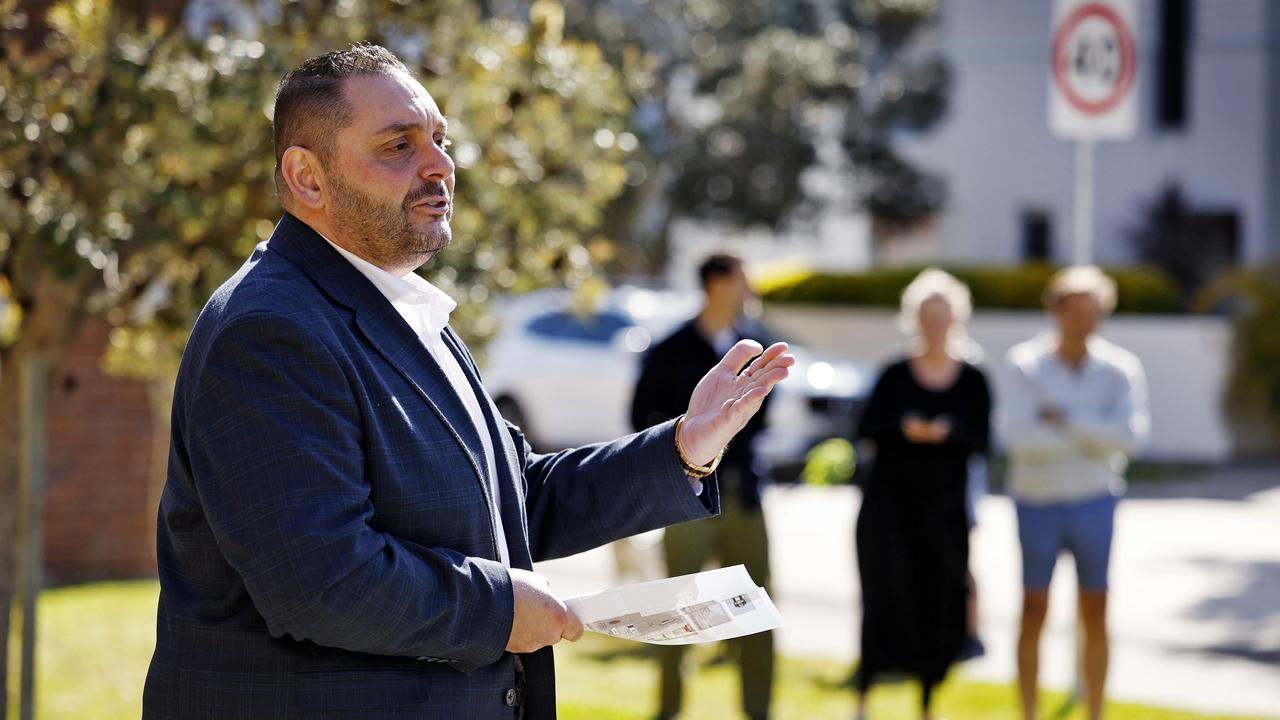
point(385, 233)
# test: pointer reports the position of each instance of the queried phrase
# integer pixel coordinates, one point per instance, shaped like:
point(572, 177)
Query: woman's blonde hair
point(1081, 279)
point(933, 283)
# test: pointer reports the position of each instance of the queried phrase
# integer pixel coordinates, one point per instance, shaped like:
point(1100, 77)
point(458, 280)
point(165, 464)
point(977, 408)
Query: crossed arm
point(1038, 430)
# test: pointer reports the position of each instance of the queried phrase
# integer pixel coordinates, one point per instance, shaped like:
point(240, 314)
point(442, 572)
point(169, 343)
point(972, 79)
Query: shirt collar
point(1094, 351)
point(410, 295)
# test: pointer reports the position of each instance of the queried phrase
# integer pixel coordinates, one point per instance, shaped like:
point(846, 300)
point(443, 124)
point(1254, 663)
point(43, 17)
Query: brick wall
point(98, 519)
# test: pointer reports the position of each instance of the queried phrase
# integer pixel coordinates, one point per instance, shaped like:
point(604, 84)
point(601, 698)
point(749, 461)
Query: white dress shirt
point(1104, 409)
point(426, 308)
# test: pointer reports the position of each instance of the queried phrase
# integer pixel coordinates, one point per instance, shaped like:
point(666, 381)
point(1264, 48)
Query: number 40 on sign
point(1092, 70)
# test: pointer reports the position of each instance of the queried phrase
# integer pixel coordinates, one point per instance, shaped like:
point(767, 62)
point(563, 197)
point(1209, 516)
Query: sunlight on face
point(1078, 315)
point(731, 291)
point(390, 187)
point(935, 318)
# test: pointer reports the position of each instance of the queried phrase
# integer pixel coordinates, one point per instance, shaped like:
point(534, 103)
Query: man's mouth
point(434, 204)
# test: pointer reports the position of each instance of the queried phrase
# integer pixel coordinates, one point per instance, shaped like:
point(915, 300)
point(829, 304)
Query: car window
point(599, 328)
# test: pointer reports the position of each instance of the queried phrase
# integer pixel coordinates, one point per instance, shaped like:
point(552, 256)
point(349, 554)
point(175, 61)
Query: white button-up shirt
point(1104, 408)
point(427, 308)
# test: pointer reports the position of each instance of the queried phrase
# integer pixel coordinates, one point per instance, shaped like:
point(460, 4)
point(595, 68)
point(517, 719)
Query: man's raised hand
point(726, 398)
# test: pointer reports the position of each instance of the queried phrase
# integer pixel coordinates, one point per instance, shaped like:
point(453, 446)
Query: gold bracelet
point(692, 469)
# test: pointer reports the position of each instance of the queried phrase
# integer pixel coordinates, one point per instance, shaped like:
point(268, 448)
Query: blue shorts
point(1083, 529)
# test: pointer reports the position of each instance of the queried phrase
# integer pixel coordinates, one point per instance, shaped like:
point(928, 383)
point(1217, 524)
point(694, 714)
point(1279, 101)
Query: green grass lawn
point(93, 646)
point(96, 640)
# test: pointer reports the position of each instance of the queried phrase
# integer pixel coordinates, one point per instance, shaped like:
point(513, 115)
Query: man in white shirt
point(349, 526)
point(1075, 414)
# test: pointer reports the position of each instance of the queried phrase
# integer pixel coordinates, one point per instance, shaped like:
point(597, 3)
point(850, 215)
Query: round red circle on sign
point(1128, 59)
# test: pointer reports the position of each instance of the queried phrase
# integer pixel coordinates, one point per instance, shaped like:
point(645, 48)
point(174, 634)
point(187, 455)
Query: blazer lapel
point(392, 337)
point(385, 330)
point(511, 503)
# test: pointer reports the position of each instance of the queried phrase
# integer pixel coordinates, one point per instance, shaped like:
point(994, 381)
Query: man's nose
point(437, 165)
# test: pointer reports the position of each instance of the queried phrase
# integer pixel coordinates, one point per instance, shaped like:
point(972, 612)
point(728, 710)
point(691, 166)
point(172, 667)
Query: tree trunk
point(160, 391)
point(50, 323)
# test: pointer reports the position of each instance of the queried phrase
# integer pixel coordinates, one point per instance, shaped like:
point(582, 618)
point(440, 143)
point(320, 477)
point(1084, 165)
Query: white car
point(566, 376)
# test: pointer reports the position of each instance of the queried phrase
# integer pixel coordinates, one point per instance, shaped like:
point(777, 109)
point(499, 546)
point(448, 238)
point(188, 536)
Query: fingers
point(573, 629)
point(739, 355)
point(776, 356)
point(739, 410)
point(540, 618)
point(759, 385)
point(771, 355)
point(768, 375)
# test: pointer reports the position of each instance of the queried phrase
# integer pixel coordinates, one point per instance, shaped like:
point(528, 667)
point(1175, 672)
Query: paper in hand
point(703, 607)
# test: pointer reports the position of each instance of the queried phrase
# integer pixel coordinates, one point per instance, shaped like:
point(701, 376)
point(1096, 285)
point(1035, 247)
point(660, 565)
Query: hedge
point(1140, 289)
point(1253, 297)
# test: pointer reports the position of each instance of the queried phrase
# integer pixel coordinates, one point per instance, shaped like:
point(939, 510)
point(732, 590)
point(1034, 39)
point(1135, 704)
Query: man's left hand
point(726, 398)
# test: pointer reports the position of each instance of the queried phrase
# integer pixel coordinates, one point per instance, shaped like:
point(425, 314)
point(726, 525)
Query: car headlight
point(821, 376)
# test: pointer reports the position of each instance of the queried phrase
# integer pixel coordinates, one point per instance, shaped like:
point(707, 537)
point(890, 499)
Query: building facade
point(1208, 91)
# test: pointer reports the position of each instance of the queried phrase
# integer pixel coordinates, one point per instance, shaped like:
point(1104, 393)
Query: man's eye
point(401, 146)
point(444, 142)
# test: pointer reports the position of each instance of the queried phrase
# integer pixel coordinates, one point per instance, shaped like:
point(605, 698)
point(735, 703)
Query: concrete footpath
point(1195, 605)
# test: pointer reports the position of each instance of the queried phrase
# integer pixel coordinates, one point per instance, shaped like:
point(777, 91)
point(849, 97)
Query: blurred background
point(604, 148)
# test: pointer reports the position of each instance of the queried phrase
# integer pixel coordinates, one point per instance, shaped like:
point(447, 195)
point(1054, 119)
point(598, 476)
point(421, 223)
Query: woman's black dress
point(912, 533)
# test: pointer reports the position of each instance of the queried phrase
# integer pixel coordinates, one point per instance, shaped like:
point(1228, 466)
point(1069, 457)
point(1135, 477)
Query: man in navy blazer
point(349, 526)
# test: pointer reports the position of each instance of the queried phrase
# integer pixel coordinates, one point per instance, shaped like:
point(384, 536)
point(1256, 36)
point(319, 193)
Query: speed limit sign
point(1093, 65)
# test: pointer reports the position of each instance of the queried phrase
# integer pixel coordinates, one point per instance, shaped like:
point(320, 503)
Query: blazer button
point(511, 697)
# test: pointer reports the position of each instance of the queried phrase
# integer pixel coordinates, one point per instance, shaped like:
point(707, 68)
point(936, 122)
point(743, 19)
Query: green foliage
point(1166, 239)
point(136, 165)
point(1191, 246)
point(139, 159)
point(1141, 290)
point(737, 99)
point(830, 462)
point(1254, 388)
point(124, 161)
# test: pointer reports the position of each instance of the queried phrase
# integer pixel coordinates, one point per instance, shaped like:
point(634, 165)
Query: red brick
point(97, 504)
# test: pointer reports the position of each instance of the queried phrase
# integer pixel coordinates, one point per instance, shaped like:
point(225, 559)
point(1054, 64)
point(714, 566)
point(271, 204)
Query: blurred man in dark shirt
point(670, 372)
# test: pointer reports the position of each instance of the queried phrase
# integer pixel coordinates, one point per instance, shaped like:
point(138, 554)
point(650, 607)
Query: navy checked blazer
point(325, 543)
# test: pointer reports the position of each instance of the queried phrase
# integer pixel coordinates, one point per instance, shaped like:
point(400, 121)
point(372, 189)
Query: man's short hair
point(311, 106)
point(1078, 280)
point(718, 265)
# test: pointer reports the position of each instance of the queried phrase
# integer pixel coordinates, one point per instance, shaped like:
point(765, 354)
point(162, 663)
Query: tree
point(1191, 245)
point(136, 169)
point(739, 102)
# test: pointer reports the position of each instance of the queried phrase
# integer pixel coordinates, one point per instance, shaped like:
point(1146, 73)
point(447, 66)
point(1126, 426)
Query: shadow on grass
point(848, 682)
point(1069, 703)
point(612, 653)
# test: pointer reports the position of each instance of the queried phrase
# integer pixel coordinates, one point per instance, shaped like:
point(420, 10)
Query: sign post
point(1082, 206)
point(1093, 65)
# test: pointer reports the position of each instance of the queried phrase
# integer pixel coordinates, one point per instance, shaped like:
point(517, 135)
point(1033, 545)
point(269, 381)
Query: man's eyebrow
point(396, 128)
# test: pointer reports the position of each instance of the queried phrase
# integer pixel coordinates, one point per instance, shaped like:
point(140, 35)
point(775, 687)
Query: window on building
point(1037, 235)
point(1172, 61)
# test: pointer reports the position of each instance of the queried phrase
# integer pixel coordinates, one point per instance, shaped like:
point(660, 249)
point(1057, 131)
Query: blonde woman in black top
point(928, 414)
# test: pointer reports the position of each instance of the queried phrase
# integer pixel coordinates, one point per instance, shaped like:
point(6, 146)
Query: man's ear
point(302, 173)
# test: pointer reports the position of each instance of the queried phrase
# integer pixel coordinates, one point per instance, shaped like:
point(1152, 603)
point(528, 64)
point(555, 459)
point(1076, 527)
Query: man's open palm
point(726, 398)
